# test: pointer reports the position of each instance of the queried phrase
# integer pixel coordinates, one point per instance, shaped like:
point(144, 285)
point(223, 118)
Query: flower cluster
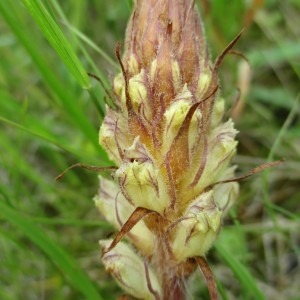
point(172, 149)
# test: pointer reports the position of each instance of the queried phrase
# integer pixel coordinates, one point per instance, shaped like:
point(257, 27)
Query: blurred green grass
point(50, 113)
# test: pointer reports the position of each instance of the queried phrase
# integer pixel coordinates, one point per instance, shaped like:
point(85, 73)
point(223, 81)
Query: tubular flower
point(172, 148)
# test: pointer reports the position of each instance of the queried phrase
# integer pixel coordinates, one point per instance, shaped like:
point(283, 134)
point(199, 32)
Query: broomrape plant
point(166, 134)
point(172, 150)
point(174, 181)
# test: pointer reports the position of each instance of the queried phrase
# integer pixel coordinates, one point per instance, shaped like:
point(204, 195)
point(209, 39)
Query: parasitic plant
point(173, 183)
point(173, 179)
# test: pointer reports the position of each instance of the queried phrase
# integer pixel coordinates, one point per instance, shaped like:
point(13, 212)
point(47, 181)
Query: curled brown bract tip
point(91, 168)
point(128, 99)
point(253, 171)
point(209, 277)
point(227, 50)
point(149, 284)
point(138, 214)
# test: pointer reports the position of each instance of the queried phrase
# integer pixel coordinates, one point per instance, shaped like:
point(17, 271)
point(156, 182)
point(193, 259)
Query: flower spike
point(172, 149)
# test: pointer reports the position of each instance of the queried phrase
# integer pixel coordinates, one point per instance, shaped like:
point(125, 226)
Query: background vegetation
point(50, 112)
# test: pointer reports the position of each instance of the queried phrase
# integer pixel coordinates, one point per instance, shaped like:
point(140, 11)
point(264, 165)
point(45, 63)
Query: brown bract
point(165, 40)
point(166, 30)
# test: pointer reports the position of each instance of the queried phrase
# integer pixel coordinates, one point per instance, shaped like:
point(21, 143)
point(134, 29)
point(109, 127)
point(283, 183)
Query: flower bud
point(135, 276)
point(197, 229)
point(116, 209)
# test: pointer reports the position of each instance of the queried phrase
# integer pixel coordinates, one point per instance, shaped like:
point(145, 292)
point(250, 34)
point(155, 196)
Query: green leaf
point(13, 17)
point(56, 38)
point(64, 262)
point(241, 273)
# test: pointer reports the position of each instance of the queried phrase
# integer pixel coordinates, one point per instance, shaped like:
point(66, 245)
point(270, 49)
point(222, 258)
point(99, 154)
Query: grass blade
point(56, 38)
point(241, 273)
point(9, 11)
point(64, 262)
